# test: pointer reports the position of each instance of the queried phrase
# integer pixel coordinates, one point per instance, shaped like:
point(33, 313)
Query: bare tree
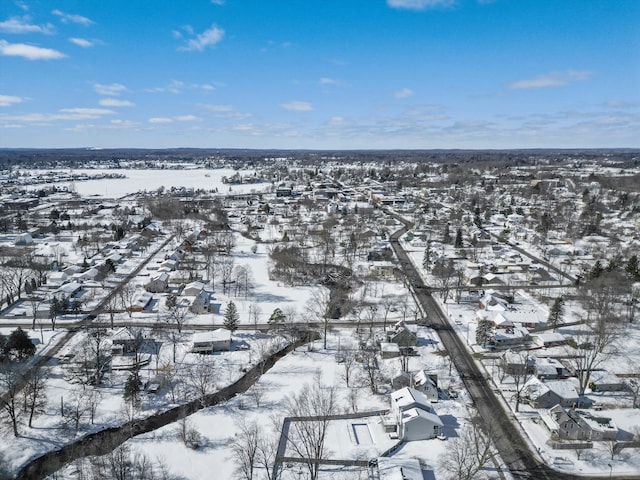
point(200, 379)
point(348, 358)
point(467, 454)
point(225, 268)
point(127, 294)
point(320, 306)
point(34, 391)
point(592, 346)
point(521, 372)
point(178, 315)
point(307, 437)
point(10, 379)
point(188, 433)
point(245, 447)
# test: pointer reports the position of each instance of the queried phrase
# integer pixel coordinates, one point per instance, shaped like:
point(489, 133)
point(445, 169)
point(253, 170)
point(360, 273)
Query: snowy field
point(152, 179)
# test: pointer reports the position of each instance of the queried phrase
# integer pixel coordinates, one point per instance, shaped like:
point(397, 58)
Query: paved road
point(508, 439)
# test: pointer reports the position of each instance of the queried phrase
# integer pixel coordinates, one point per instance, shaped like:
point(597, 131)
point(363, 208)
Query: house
point(530, 319)
point(426, 383)
point(382, 269)
point(550, 369)
point(158, 283)
point(493, 301)
point(57, 278)
point(603, 381)
point(203, 303)
point(209, 342)
point(414, 416)
point(401, 380)
point(509, 337)
point(549, 339)
point(570, 424)
point(67, 291)
point(517, 363)
point(168, 266)
point(193, 288)
point(123, 342)
point(23, 239)
point(553, 392)
point(401, 335)
point(141, 303)
point(389, 350)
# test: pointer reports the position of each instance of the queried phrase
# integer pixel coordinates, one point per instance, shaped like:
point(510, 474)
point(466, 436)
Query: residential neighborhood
point(385, 319)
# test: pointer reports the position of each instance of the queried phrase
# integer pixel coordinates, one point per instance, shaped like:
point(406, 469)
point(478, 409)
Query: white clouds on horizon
point(114, 102)
point(208, 38)
point(113, 89)
point(419, 4)
point(8, 100)
point(30, 52)
point(20, 25)
point(65, 114)
point(298, 106)
point(549, 80)
point(404, 93)
point(71, 18)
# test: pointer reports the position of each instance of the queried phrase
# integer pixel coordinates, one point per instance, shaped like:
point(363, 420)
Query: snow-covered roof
point(408, 397)
point(219, 335)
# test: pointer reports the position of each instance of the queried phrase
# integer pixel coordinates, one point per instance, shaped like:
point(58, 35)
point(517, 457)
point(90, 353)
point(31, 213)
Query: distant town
point(350, 315)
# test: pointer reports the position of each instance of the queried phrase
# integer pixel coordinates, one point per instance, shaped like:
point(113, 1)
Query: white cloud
point(8, 100)
point(64, 115)
point(404, 93)
point(419, 4)
point(297, 106)
point(88, 111)
point(113, 89)
point(187, 118)
point(160, 120)
point(553, 79)
point(208, 38)
point(179, 118)
point(81, 42)
point(324, 81)
point(217, 2)
point(22, 25)
point(70, 18)
point(114, 102)
point(29, 52)
point(217, 108)
point(175, 86)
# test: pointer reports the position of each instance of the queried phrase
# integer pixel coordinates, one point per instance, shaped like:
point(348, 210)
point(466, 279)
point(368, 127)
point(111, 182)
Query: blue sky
point(325, 74)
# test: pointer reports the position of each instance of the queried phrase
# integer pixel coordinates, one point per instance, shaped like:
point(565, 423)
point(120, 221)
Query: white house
point(424, 383)
point(158, 283)
point(414, 415)
point(209, 342)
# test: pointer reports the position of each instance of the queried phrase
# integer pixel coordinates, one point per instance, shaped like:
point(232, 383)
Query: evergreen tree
point(596, 270)
point(426, 258)
point(20, 345)
point(483, 332)
point(632, 268)
point(132, 388)
point(556, 312)
point(446, 239)
point(231, 317)
point(458, 241)
point(277, 317)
